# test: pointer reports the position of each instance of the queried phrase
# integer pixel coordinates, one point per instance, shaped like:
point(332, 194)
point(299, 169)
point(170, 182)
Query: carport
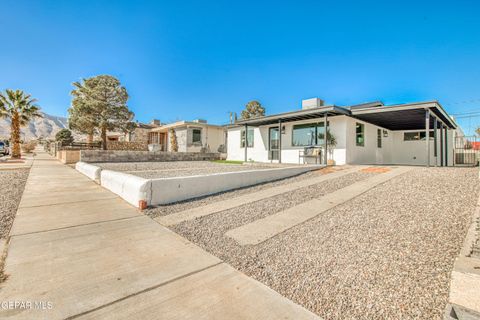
point(416, 116)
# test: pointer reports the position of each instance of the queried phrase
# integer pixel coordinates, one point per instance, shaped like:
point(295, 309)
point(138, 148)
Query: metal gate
point(466, 151)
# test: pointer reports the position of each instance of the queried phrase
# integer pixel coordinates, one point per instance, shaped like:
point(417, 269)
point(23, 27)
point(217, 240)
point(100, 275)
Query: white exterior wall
point(212, 136)
point(393, 151)
point(369, 153)
point(290, 154)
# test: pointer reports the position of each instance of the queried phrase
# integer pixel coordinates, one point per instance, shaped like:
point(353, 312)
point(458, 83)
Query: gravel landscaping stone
point(163, 210)
point(12, 183)
point(151, 170)
point(385, 254)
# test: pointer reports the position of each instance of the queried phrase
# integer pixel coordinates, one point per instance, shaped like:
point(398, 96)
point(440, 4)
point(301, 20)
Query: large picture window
point(308, 134)
point(360, 134)
point(249, 138)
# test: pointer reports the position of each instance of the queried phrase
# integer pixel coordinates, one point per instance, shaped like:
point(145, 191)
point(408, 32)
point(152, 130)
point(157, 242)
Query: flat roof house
point(420, 133)
point(192, 136)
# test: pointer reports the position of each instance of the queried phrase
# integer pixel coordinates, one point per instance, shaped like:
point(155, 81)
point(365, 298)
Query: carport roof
point(403, 116)
point(397, 117)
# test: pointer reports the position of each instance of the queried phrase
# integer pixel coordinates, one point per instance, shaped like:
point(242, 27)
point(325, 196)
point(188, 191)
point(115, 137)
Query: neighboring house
point(370, 133)
point(139, 134)
point(192, 136)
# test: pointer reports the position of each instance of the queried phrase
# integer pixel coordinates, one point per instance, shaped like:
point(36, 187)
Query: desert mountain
point(45, 127)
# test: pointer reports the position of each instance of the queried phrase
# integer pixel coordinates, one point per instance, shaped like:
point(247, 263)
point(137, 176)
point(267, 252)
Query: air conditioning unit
point(312, 103)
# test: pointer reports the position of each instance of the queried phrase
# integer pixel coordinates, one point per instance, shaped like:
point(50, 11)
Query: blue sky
point(202, 59)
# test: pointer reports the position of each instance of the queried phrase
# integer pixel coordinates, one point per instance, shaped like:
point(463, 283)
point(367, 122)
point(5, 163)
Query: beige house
point(192, 136)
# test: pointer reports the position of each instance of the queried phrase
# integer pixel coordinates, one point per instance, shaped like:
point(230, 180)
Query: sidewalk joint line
point(144, 291)
point(58, 203)
point(69, 227)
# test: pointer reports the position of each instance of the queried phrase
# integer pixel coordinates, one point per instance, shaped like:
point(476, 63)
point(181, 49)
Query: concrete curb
point(464, 297)
point(91, 171)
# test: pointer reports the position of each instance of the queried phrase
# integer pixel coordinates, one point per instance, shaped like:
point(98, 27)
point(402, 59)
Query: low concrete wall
point(131, 188)
point(168, 190)
point(134, 156)
point(68, 156)
point(91, 171)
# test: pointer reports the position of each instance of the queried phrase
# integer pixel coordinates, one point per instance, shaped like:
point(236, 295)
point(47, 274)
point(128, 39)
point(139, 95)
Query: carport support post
point(435, 151)
point(441, 145)
point(427, 135)
point(325, 138)
point(279, 141)
point(246, 141)
point(446, 146)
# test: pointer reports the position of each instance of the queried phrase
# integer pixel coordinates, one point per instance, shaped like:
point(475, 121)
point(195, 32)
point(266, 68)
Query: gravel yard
point(184, 205)
point(12, 183)
point(151, 170)
point(386, 254)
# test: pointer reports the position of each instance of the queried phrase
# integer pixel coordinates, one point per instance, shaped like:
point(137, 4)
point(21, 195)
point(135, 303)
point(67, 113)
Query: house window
point(360, 134)
point(250, 138)
point(379, 138)
point(196, 135)
point(309, 134)
point(416, 136)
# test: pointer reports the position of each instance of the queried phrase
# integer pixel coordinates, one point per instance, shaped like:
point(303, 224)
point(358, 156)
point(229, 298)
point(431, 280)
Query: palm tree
point(20, 108)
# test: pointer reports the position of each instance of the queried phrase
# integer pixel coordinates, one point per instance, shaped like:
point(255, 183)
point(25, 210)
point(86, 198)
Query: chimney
point(312, 103)
point(199, 121)
point(155, 122)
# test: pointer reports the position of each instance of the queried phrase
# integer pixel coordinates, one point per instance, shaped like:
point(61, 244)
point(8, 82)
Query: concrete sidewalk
point(78, 251)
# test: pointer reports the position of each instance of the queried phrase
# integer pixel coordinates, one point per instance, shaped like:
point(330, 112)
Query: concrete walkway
point(265, 228)
point(78, 251)
point(218, 206)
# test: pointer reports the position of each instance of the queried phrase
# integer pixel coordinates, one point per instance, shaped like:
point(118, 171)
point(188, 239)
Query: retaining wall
point(127, 145)
point(91, 171)
point(131, 188)
point(68, 156)
point(151, 192)
point(168, 190)
point(139, 156)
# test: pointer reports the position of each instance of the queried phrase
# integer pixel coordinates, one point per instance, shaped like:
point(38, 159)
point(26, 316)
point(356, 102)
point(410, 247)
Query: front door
point(274, 144)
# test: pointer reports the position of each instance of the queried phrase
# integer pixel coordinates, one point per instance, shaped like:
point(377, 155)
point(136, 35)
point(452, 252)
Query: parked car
point(4, 150)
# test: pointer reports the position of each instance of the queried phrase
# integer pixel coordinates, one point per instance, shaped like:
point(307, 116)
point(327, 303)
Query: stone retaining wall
point(127, 145)
point(140, 156)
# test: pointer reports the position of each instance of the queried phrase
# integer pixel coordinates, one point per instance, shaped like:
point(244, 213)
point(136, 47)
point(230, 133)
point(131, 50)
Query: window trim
point(362, 134)
point(242, 138)
point(196, 142)
point(421, 135)
point(316, 125)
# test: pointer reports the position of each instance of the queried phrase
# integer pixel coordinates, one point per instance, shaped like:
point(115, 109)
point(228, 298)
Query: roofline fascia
point(279, 116)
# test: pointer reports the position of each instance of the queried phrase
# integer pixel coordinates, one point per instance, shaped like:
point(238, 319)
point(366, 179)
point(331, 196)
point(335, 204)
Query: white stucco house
point(420, 133)
point(192, 136)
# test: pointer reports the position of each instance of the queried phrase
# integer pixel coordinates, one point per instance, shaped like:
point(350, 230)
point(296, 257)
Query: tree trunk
point(15, 137)
point(90, 137)
point(104, 139)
